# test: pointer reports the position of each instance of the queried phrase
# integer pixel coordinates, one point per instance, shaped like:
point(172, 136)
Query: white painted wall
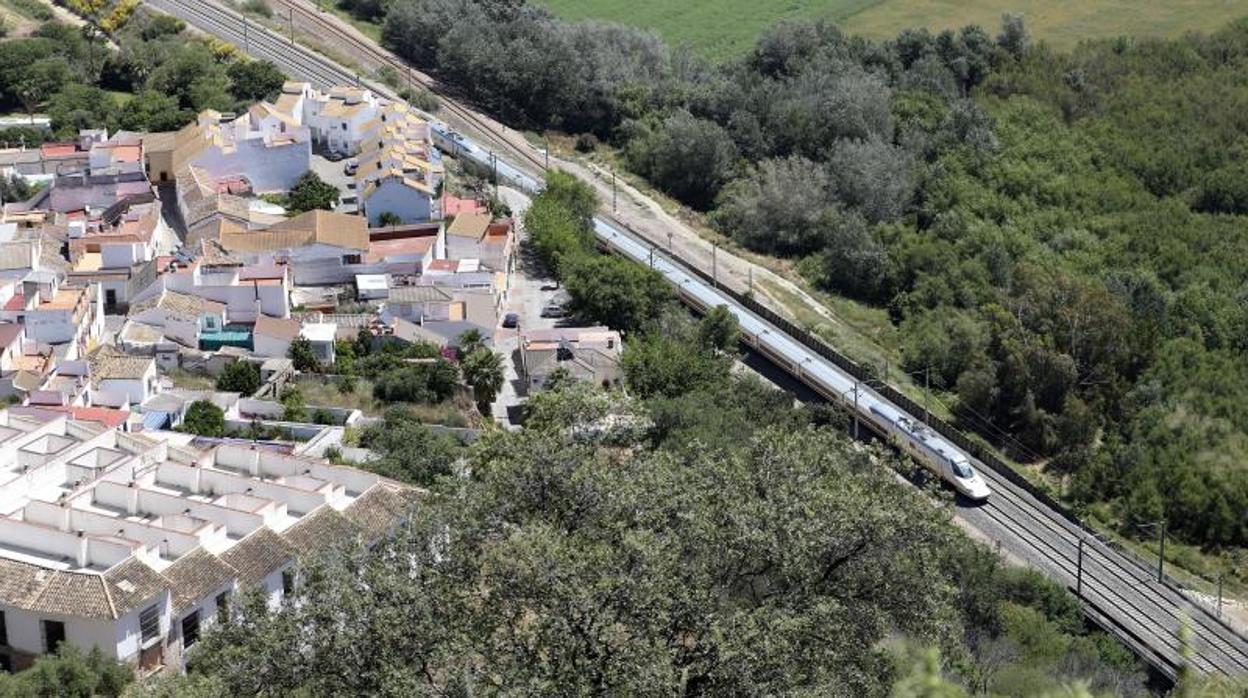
point(410, 205)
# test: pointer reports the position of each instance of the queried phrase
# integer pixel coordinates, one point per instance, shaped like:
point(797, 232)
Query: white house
point(120, 380)
point(134, 545)
point(181, 316)
point(320, 247)
point(272, 336)
point(321, 335)
point(247, 291)
point(55, 314)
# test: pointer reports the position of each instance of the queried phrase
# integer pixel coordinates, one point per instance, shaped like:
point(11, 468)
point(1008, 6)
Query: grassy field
point(724, 28)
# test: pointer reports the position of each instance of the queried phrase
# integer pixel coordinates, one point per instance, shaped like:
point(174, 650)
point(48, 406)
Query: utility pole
point(751, 291)
point(546, 136)
point(652, 256)
point(291, 21)
point(927, 390)
point(885, 371)
point(855, 410)
point(714, 265)
point(494, 171)
point(613, 209)
point(1161, 553)
point(669, 242)
point(246, 39)
point(1219, 595)
point(1079, 572)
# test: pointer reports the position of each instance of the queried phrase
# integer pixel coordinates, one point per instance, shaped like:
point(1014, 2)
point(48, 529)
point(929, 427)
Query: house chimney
point(132, 498)
point(84, 550)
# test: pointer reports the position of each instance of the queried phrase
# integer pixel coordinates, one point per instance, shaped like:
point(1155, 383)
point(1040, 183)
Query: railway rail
point(1117, 590)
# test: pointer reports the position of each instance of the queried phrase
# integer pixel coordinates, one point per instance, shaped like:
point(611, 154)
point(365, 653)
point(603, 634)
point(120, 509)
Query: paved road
point(1119, 593)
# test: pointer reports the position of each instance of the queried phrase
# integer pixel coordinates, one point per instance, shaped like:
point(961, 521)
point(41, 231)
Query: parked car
point(351, 167)
point(554, 311)
point(511, 321)
point(552, 286)
point(334, 155)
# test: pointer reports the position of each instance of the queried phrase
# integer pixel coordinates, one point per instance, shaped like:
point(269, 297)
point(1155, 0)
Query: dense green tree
point(68, 674)
point(776, 207)
point(311, 192)
point(616, 292)
point(688, 157)
point(252, 81)
point(430, 381)
point(303, 356)
point(204, 418)
point(719, 330)
point(408, 451)
point(241, 377)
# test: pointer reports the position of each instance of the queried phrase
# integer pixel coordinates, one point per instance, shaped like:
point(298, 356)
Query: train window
point(962, 470)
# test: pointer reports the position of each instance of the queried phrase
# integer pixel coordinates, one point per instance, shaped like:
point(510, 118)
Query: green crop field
point(724, 28)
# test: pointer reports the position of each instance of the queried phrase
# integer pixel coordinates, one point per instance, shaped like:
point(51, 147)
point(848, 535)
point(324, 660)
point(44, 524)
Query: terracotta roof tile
point(195, 575)
point(258, 555)
point(321, 530)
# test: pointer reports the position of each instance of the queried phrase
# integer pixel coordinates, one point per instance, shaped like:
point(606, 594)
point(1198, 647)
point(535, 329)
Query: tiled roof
point(420, 294)
point(378, 510)
point(258, 555)
point(308, 228)
point(107, 416)
point(9, 332)
point(195, 575)
point(131, 584)
point(276, 327)
point(320, 530)
point(469, 225)
point(107, 362)
point(71, 593)
point(183, 305)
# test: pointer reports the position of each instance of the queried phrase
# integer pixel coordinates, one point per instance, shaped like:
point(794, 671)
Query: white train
point(930, 449)
point(915, 438)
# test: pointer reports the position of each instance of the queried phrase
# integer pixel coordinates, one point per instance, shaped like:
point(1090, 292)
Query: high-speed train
point(926, 446)
point(930, 449)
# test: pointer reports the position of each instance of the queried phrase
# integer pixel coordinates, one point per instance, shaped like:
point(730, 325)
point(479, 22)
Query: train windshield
point(962, 470)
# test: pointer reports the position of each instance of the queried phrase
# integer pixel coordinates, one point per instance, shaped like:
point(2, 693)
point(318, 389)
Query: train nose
point(977, 489)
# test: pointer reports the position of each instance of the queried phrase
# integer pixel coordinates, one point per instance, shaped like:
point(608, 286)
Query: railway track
point(1119, 591)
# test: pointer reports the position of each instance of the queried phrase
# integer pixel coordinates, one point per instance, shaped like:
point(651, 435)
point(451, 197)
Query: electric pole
point(1161, 553)
point(927, 390)
point(714, 265)
point(246, 39)
point(1079, 572)
point(291, 20)
point(855, 410)
point(613, 208)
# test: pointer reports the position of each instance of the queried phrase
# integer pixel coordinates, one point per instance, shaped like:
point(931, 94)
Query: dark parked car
point(511, 321)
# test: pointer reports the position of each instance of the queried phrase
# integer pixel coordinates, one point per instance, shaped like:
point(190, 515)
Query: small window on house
point(53, 635)
point(344, 126)
point(223, 607)
point(288, 582)
point(4, 629)
point(351, 259)
point(149, 624)
point(190, 629)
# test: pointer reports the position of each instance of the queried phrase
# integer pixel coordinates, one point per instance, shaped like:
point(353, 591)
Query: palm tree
point(483, 370)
